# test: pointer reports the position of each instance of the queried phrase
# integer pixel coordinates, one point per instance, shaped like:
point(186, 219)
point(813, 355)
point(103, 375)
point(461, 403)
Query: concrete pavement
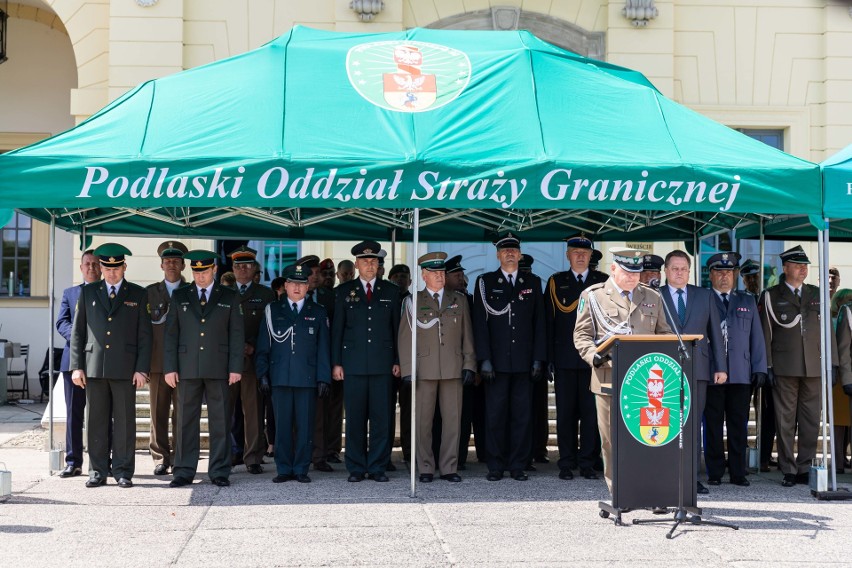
point(542, 522)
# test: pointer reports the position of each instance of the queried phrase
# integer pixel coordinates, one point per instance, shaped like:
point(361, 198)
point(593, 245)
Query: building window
point(17, 241)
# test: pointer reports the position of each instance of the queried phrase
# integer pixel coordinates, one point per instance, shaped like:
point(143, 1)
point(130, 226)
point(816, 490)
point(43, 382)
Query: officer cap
point(795, 255)
point(580, 241)
point(749, 267)
point(507, 240)
point(200, 260)
point(453, 264)
point(382, 254)
point(399, 269)
point(724, 261)
point(310, 261)
point(629, 259)
point(433, 261)
point(243, 255)
point(112, 254)
point(366, 249)
point(171, 249)
point(297, 273)
point(652, 262)
point(526, 261)
point(597, 256)
point(327, 264)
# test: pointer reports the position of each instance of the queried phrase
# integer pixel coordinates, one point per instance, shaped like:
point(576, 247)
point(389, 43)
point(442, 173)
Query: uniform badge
point(499, 281)
point(784, 317)
point(310, 331)
point(581, 306)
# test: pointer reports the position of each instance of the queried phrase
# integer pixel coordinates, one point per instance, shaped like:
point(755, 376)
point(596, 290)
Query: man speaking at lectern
point(618, 306)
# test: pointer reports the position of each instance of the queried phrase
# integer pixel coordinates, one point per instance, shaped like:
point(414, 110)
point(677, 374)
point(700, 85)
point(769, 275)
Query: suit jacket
point(253, 303)
point(444, 349)
point(513, 342)
point(204, 342)
point(158, 306)
point(111, 338)
point(793, 351)
point(561, 298)
point(844, 344)
point(702, 317)
point(644, 311)
point(746, 348)
point(364, 334)
point(303, 358)
point(65, 320)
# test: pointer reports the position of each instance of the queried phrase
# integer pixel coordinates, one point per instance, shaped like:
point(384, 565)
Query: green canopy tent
point(434, 134)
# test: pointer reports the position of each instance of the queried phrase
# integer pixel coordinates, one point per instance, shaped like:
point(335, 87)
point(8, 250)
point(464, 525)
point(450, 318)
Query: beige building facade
point(781, 66)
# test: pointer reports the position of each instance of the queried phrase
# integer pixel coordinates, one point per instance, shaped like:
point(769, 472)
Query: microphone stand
point(681, 513)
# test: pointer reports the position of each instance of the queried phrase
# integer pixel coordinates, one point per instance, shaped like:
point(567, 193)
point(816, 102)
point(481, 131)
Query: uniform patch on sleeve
point(581, 306)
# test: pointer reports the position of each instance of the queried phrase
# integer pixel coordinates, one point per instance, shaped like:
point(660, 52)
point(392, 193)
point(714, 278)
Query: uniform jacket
point(204, 342)
point(442, 350)
point(702, 317)
point(253, 303)
point(561, 297)
point(111, 338)
point(65, 320)
point(325, 298)
point(644, 311)
point(746, 348)
point(795, 351)
point(511, 344)
point(844, 344)
point(300, 360)
point(158, 306)
point(363, 335)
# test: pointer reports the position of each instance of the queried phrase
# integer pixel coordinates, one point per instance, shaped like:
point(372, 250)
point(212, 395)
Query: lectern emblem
point(650, 403)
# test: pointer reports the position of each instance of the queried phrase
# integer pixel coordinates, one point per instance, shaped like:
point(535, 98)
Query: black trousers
point(75, 412)
point(402, 391)
point(541, 424)
point(576, 419)
point(509, 421)
point(191, 393)
point(367, 402)
point(727, 405)
point(112, 404)
point(295, 409)
point(767, 422)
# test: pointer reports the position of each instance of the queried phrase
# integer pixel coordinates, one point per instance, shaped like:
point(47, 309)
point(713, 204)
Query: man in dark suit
point(204, 351)
point(694, 311)
point(163, 398)
point(540, 408)
point(364, 354)
point(575, 402)
point(728, 403)
point(510, 341)
point(75, 396)
point(400, 275)
point(110, 358)
point(292, 360)
point(253, 300)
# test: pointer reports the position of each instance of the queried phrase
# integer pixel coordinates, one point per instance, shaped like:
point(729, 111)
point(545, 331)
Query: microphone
point(654, 283)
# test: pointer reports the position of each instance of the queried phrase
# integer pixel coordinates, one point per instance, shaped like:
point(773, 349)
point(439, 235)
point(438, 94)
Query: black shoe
point(542, 459)
point(659, 510)
point(96, 481)
point(281, 478)
point(702, 490)
point(333, 458)
point(530, 467)
point(390, 467)
point(323, 466)
point(494, 476)
point(714, 481)
point(803, 478)
point(741, 481)
point(599, 465)
point(254, 469)
point(565, 474)
point(789, 480)
point(519, 475)
point(302, 478)
point(426, 477)
point(588, 473)
point(180, 482)
point(125, 483)
point(355, 477)
point(764, 468)
point(380, 477)
point(71, 471)
point(453, 477)
point(221, 481)
point(161, 469)
point(237, 459)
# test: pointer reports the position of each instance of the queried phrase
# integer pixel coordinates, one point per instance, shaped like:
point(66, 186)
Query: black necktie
point(203, 298)
point(510, 277)
point(112, 292)
point(295, 309)
point(796, 292)
point(725, 300)
point(681, 307)
point(580, 279)
point(242, 289)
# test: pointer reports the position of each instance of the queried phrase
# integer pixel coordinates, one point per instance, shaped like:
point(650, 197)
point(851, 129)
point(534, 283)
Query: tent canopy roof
point(327, 135)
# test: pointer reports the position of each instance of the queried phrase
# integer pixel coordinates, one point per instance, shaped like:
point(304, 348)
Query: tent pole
point(825, 338)
point(762, 254)
point(51, 284)
point(393, 246)
point(758, 415)
point(413, 465)
point(697, 254)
